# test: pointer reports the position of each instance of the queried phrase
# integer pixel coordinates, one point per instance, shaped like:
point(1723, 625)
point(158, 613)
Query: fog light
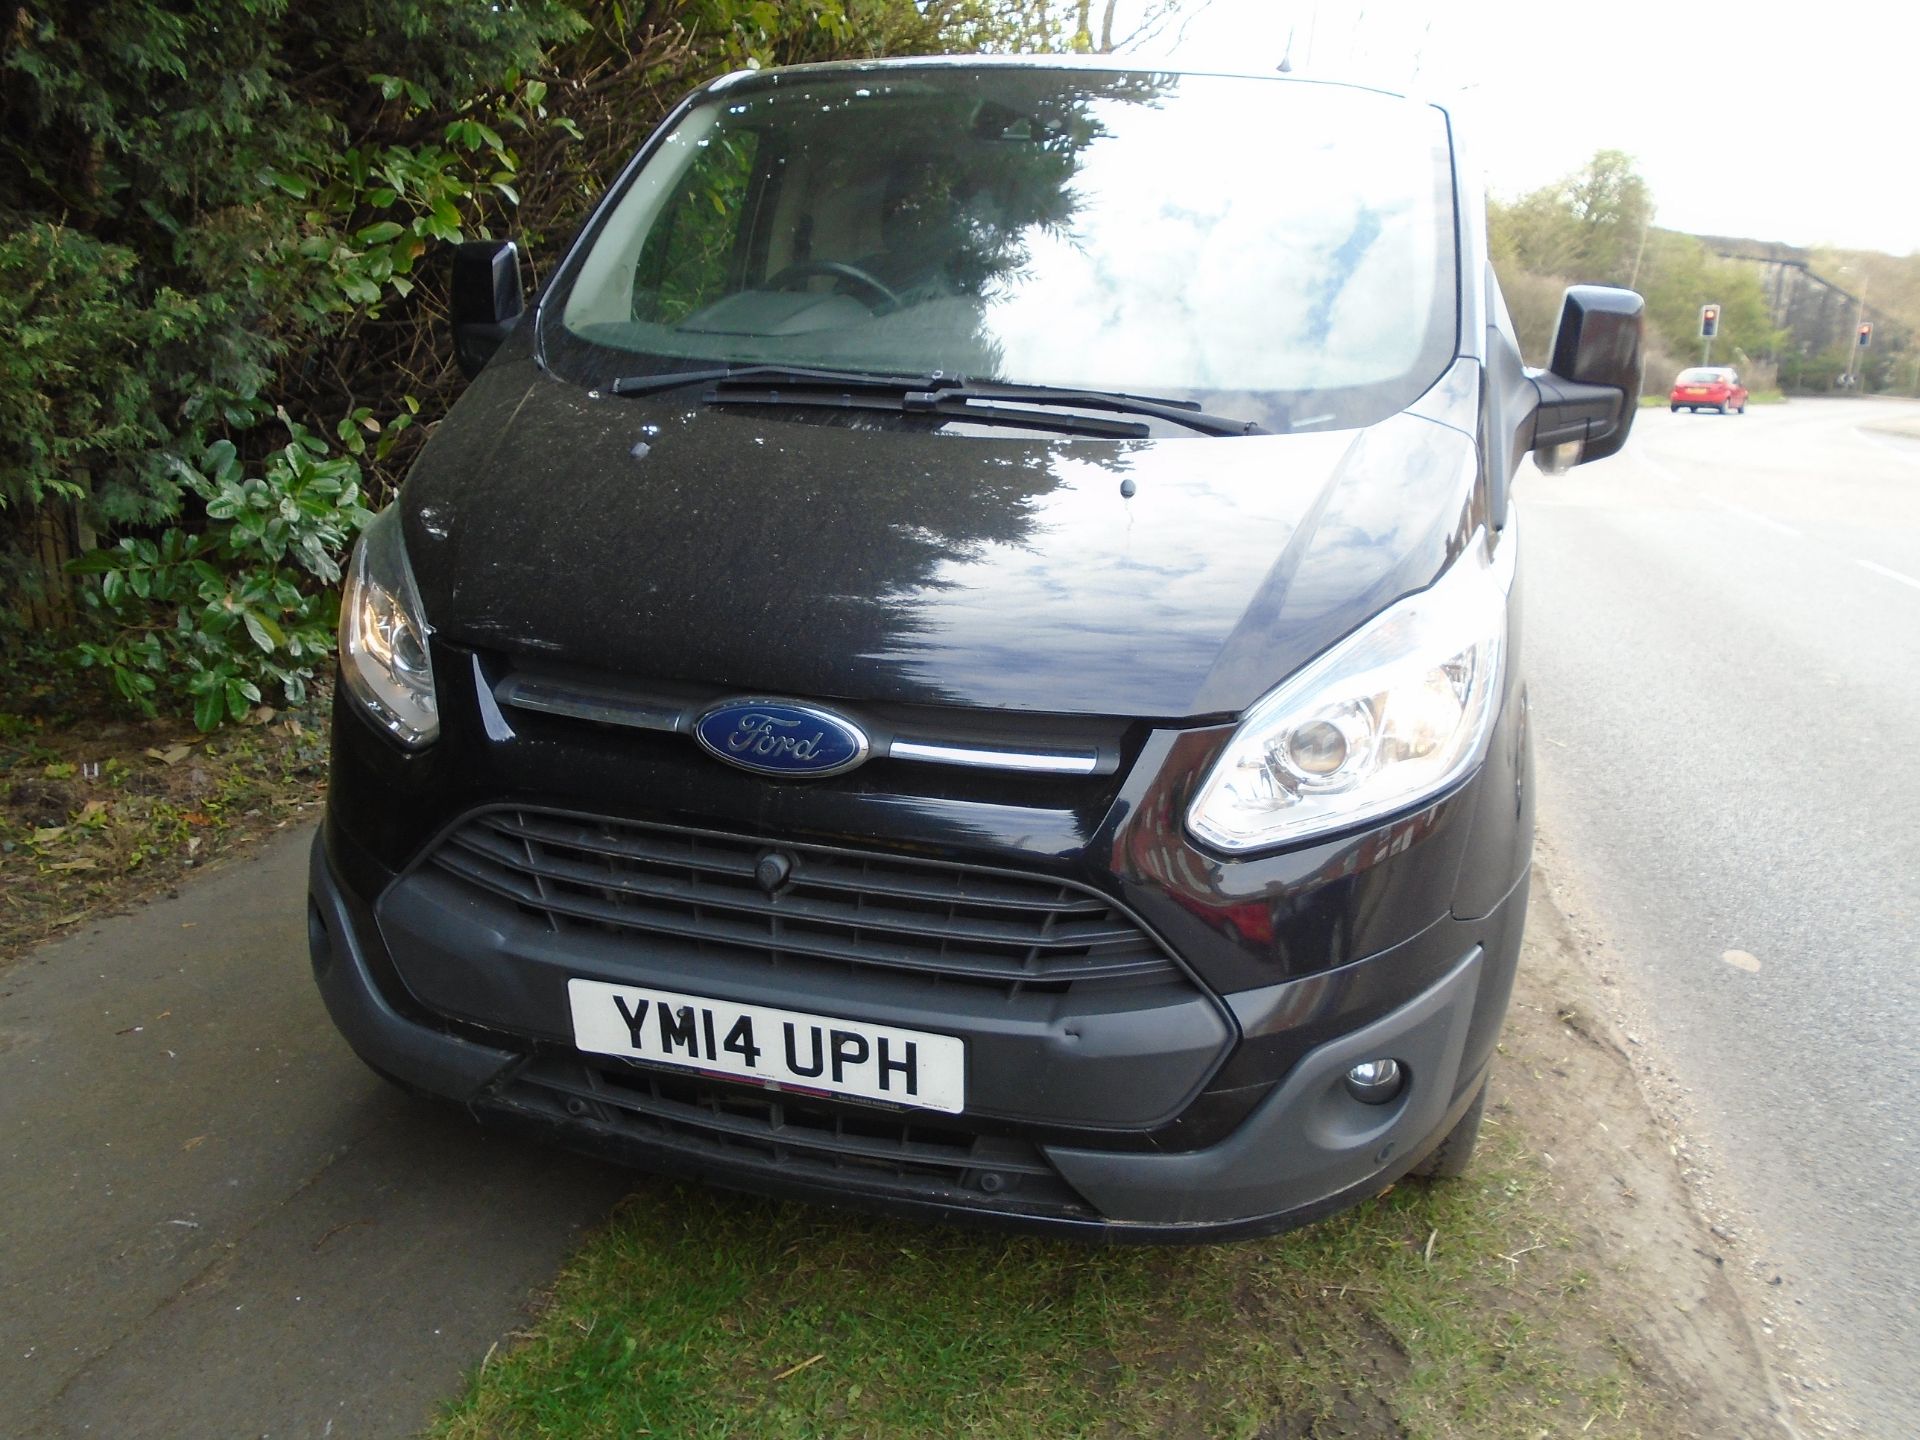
point(1375, 1082)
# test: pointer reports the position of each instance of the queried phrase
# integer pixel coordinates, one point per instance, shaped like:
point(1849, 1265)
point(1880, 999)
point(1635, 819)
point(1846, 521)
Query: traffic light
point(1866, 334)
point(1709, 321)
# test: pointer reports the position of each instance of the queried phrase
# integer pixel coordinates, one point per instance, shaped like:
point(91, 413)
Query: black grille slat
point(884, 1151)
point(876, 912)
point(639, 919)
point(750, 899)
point(935, 886)
point(772, 1122)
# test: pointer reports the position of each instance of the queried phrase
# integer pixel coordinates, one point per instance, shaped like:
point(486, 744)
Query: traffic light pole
point(1859, 315)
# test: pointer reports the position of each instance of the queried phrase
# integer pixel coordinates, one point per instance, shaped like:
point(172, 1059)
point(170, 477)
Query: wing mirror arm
point(1572, 414)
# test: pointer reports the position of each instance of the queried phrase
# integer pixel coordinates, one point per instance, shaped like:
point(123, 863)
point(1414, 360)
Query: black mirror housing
point(486, 300)
point(1590, 391)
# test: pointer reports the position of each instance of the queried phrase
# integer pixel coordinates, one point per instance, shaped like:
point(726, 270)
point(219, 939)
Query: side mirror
point(486, 300)
point(1590, 390)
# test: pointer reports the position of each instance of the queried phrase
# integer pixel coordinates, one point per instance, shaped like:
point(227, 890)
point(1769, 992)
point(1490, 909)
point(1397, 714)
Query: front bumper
point(1301, 1149)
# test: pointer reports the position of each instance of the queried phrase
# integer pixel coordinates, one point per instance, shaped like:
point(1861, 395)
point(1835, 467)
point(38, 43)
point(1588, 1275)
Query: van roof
point(1107, 63)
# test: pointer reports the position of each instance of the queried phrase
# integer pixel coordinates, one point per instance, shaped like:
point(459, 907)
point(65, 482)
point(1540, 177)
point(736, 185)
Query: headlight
point(1389, 717)
point(383, 636)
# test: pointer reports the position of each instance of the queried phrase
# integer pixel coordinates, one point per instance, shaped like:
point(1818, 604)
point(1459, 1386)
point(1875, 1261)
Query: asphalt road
point(1723, 638)
point(213, 1220)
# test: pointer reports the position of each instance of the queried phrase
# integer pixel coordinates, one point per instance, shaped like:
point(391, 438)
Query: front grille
point(883, 1152)
point(833, 906)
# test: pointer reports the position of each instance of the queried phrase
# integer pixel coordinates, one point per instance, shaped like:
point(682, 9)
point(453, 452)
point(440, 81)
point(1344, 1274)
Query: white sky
point(1738, 114)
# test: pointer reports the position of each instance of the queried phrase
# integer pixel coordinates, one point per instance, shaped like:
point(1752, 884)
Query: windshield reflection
point(1249, 244)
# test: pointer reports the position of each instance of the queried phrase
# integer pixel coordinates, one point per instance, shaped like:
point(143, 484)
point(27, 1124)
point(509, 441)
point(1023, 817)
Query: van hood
point(766, 553)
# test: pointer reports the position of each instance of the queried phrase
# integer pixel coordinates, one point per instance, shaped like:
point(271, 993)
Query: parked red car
point(1709, 387)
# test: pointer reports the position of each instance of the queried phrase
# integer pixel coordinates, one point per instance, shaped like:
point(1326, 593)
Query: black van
point(964, 657)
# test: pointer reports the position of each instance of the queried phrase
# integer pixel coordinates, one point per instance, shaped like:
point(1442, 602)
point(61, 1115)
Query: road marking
point(1654, 467)
point(1753, 515)
point(1905, 452)
point(1890, 574)
point(1741, 960)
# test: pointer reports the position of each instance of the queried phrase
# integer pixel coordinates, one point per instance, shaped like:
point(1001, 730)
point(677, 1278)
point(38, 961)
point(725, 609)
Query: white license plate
point(789, 1048)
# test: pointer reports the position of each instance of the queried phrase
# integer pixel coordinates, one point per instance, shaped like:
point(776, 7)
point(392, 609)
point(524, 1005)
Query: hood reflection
point(780, 557)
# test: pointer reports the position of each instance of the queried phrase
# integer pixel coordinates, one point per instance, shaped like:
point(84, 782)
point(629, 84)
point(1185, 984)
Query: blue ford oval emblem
point(778, 737)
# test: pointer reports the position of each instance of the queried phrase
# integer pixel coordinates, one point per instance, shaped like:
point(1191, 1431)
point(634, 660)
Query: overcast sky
point(1743, 123)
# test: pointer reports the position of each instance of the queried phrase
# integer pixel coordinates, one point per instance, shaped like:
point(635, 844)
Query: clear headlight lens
point(383, 635)
point(1390, 716)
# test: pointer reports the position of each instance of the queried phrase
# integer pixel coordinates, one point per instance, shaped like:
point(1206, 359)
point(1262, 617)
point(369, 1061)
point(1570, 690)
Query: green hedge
point(220, 222)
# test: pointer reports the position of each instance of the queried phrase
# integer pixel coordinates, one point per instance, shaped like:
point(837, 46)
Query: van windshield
point(1273, 249)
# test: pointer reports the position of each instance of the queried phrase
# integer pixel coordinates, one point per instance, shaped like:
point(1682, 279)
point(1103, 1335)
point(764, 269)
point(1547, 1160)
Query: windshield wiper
point(937, 393)
point(901, 400)
point(1178, 412)
point(773, 374)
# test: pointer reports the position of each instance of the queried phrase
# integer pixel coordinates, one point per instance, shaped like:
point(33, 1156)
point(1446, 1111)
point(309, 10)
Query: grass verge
point(97, 811)
point(1448, 1310)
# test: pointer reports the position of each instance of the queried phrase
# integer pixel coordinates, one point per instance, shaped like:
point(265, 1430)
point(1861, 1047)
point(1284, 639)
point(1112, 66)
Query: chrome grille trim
point(606, 706)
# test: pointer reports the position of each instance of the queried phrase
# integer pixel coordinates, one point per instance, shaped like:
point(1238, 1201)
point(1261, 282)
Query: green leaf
point(222, 460)
point(264, 632)
point(207, 708)
point(380, 232)
point(241, 694)
point(94, 562)
point(294, 185)
point(444, 221)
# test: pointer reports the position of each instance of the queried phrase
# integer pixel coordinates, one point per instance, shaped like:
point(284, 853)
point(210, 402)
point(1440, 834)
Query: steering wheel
point(876, 296)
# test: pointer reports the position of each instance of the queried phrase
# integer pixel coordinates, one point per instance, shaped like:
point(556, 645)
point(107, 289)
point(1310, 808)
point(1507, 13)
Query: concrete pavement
point(214, 1221)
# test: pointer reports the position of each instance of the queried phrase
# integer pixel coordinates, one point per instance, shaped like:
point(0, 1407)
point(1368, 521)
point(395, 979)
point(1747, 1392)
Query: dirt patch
point(98, 812)
point(1659, 1273)
point(1794, 1360)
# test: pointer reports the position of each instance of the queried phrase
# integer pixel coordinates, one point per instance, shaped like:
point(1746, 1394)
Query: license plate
point(789, 1048)
point(1695, 390)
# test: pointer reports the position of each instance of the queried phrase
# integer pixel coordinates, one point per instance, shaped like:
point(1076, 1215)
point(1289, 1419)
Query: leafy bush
point(200, 198)
point(215, 619)
point(213, 212)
